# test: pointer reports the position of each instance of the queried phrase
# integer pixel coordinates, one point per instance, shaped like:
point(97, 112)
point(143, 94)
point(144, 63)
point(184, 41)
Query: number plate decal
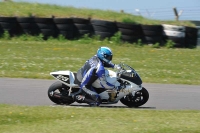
point(62, 77)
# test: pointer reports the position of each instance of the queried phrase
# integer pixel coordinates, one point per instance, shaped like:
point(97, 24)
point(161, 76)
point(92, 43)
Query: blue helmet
point(104, 54)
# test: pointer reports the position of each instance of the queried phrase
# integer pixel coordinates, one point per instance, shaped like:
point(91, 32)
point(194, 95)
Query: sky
point(154, 9)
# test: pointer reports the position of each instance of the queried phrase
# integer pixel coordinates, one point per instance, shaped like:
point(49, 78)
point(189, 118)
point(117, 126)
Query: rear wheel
point(58, 90)
point(140, 98)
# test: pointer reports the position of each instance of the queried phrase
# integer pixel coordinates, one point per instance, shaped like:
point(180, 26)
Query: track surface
point(33, 92)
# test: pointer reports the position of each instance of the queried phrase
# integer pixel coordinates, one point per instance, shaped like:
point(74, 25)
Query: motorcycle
point(131, 94)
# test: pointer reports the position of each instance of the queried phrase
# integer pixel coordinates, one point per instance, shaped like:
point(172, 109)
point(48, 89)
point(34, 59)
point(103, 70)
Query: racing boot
point(88, 96)
point(86, 99)
point(79, 98)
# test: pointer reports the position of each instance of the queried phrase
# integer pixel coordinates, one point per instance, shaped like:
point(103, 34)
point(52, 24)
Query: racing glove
point(117, 66)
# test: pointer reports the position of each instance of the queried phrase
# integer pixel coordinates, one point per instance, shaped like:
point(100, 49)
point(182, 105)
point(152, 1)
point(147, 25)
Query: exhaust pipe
point(60, 96)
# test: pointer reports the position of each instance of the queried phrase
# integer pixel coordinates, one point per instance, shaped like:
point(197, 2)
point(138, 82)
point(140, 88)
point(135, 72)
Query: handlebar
point(123, 69)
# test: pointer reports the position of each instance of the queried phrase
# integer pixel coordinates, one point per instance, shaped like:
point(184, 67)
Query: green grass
point(63, 119)
point(36, 59)
point(46, 10)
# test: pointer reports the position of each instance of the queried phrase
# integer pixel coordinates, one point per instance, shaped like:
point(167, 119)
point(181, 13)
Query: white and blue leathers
point(94, 66)
point(93, 69)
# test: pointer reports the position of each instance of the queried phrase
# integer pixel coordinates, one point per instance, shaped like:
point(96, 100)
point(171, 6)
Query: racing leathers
point(92, 69)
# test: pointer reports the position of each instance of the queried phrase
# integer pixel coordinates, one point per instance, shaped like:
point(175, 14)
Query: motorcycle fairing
point(111, 77)
point(66, 77)
point(130, 89)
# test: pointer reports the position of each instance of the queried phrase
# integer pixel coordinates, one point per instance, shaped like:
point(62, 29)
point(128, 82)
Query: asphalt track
point(33, 92)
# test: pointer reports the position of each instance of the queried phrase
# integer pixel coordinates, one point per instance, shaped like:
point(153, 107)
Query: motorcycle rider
point(92, 70)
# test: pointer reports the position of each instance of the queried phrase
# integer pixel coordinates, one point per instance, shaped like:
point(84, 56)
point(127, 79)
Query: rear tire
point(130, 100)
point(58, 87)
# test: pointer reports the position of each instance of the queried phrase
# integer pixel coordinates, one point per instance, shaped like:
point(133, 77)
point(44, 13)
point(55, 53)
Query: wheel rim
point(61, 91)
point(136, 99)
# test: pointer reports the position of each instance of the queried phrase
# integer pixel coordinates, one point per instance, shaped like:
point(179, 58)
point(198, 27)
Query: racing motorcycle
point(131, 94)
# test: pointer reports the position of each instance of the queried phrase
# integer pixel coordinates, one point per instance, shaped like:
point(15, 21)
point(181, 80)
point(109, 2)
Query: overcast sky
point(155, 9)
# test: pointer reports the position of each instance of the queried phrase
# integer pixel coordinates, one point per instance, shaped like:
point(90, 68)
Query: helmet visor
point(108, 57)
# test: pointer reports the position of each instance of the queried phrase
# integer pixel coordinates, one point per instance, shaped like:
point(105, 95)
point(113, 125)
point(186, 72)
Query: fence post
point(176, 13)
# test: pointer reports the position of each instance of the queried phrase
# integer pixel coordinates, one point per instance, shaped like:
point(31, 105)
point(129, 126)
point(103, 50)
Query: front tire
point(61, 89)
point(140, 98)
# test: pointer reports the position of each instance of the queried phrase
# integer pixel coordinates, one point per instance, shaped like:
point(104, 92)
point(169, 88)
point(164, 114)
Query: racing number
point(63, 78)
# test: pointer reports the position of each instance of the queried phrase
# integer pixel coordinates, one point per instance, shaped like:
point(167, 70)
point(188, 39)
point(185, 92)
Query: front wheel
point(140, 98)
point(62, 90)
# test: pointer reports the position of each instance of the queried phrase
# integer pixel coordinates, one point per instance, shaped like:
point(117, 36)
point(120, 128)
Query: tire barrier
point(27, 25)
point(152, 34)
point(104, 29)
point(173, 27)
point(46, 26)
point(191, 35)
point(197, 23)
point(174, 33)
point(64, 27)
point(74, 28)
point(198, 36)
point(198, 33)
point(198, 42)
point(1, 30)
point(130, 32)
point(9, 24)
point(82, 27)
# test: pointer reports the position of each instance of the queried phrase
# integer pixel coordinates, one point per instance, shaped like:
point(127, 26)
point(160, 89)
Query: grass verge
point(36, 59)
point(51, 119)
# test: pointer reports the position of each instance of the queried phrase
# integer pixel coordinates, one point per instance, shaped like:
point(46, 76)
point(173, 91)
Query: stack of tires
point(191, 35)
point(9, 24)
point(82, 27)
point(174, 33)
point(1, 29)
point(197, 23)
point(27, 25)
point(198, 36)
point(64, 27)
point(130, 32)
point(103, 29)
point(46, 27)
point(152, 34)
